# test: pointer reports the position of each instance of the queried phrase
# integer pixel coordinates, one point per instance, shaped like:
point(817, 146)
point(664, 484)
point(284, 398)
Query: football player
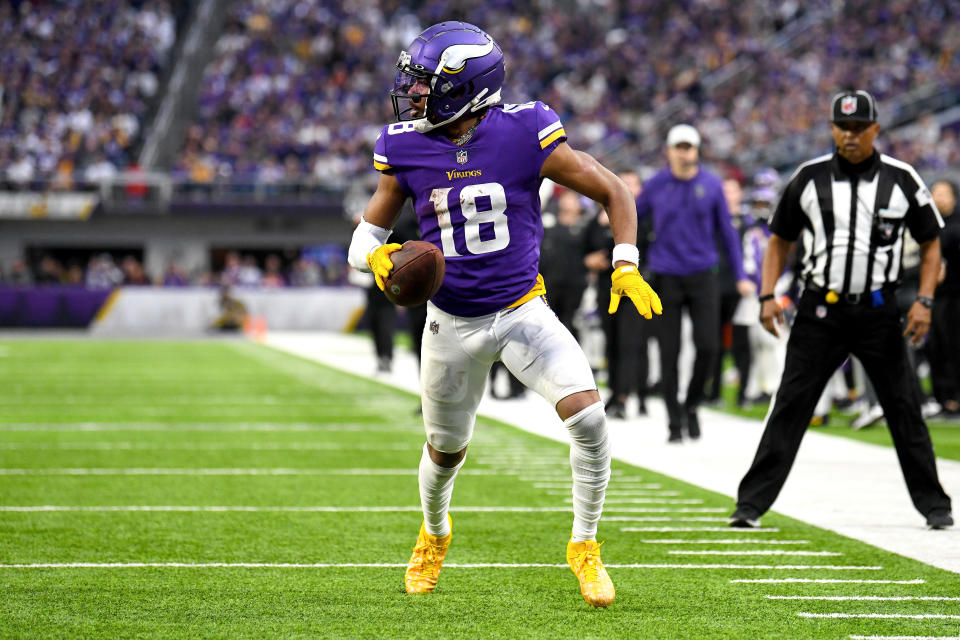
point(472, 167)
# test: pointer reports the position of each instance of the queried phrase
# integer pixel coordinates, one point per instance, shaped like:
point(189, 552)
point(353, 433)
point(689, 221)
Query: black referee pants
point(822, 337)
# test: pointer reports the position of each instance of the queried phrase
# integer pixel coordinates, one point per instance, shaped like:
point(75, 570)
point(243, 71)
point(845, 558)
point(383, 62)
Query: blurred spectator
point(133, 273)
point(272, 276)
point(74, 275)
point(563, 243)
point(103, 273)
point(20, 274)
point(305, 273)
point(249, 273)
point(50, 271)
point(944, 346)
point(174, 276)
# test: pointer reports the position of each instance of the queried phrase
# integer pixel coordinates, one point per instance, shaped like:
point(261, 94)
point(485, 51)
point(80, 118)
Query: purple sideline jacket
point(687, 216)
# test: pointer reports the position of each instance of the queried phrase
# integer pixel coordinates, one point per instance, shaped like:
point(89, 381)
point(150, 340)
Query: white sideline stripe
point(682, 529)
point(880, 598)
point(825, 581)
point(884, 616)
point(754, 552)
point(277, 471)
point(391, 565)
point(727, 541)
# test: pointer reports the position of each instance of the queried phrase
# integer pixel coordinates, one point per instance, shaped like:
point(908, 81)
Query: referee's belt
point(866, 297)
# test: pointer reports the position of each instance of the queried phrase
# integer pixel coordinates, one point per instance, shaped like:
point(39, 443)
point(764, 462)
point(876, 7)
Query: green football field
point(224, 489)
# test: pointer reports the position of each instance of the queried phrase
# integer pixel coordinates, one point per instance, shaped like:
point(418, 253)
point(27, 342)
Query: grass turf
point(274, 431)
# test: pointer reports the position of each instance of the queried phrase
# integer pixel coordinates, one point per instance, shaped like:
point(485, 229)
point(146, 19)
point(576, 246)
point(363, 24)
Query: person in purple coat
point(473, 168)
point(689, 212)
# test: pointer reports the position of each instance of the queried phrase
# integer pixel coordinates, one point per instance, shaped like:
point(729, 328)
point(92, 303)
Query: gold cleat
point(595, 584)
point(423, 570)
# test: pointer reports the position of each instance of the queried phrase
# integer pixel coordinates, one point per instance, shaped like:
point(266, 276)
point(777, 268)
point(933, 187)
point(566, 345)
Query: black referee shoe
point(744, 518)
point(939, 519)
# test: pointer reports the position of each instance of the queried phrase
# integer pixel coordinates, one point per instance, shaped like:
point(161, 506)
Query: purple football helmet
point(462, 66)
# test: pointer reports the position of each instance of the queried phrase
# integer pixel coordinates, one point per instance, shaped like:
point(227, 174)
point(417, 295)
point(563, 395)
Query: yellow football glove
point(627, 281)
point(379, 261)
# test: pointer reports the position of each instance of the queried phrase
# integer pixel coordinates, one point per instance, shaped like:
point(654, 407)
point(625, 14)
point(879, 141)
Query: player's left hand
point(379, 261)
point(918, 323)
point(627, 281)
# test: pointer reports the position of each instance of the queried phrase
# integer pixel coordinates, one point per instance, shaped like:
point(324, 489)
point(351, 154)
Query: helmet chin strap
point(423, 125)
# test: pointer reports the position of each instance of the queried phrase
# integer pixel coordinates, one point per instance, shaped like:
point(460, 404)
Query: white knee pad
point(588, 427)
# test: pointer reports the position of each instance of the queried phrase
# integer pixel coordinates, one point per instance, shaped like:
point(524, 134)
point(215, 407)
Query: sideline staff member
point(688, 212)
point(849, 210)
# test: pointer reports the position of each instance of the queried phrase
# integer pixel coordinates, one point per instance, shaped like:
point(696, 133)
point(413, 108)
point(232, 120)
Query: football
point(417, 273)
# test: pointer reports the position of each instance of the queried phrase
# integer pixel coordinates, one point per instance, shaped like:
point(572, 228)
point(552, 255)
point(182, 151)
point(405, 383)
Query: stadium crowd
point(77, 80)
point(316, 266)
point(297, 88)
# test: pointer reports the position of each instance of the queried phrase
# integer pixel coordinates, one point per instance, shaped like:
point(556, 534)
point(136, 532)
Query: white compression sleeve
point(436, 489)
point(366, 238)
point(590, 463)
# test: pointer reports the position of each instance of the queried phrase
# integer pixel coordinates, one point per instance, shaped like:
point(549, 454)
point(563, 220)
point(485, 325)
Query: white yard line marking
point(660, 519)
point(683, 529)
point(391, 565)
point(226, 427)
point(825, 581)
point(883, 616)
point(310, 509)
point(266, 509)
point(622, 493)
point(608, 509)
point(621, 485)
point(754, 552)
point(206, 446)
point(726, 541)
point(617, 501)
point(172, 471)
point(880, 598)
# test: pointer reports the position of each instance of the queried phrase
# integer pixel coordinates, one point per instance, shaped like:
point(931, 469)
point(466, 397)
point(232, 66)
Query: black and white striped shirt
point(850, 220)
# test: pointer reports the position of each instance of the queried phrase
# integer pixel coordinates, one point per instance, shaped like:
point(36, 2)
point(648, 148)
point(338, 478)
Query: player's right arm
point(368, 249)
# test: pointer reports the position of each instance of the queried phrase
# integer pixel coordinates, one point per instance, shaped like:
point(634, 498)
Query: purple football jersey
point(479, 203)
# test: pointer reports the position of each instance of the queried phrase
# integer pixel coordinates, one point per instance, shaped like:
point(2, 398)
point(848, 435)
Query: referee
point(849, 211)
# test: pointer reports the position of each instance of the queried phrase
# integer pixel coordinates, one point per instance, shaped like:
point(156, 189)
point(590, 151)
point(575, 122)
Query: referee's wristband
point(769, 296)
point(627, 253)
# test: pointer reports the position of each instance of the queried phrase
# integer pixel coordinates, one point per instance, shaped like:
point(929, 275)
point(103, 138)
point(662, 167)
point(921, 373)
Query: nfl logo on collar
point(462, 156)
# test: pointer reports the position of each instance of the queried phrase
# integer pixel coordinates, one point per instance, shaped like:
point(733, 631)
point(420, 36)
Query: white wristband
point(626, 252)
point(366, 238)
